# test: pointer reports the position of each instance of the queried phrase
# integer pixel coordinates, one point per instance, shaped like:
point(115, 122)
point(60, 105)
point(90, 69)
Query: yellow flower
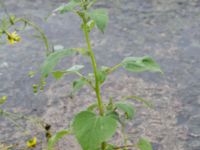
point(13, 37)
point(3, 100)
point(32, 142)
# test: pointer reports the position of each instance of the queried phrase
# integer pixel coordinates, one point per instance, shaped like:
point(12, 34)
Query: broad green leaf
point(144, 144)
point(3, 99)
point(54, 139)
point(127, 108)
point(78, 84)
point(68, 7)
point(139, 99)
point(100, 16)
point(140, 64)
point(91, 130)
point(58, 74)
point(53, 59)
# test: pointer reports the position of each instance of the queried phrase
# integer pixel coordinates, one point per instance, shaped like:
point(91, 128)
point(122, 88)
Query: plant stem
point(124, 134)
point(103, 145)
point(87, 80)
point(125, 146)
point(97, 86)
point(38, 29)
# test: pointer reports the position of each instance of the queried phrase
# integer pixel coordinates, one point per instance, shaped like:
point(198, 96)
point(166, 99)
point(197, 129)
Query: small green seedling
point(94, 127)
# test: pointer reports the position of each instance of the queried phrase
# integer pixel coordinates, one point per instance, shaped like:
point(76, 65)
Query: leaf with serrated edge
point(91, 130)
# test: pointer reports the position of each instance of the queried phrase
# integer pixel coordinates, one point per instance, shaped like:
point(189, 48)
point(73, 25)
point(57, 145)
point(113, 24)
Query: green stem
point(38, 30)
point(103, 145)
point(87, 80)
point(114, 68)
point(97, 86)
point(126, 146)
point(124, 134)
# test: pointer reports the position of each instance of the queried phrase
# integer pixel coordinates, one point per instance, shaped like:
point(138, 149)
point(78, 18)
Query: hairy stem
point(93, 60)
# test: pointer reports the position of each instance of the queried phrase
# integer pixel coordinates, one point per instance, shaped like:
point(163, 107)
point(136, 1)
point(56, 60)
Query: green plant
point(9, 26)
point(9, 22)
point(99, 122)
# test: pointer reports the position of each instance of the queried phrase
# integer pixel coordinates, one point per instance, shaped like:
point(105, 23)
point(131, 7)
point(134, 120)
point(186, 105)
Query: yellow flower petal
point(13, 37)
point(32, 142)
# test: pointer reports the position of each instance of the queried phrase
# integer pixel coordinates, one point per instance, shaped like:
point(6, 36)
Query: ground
point(166, 30)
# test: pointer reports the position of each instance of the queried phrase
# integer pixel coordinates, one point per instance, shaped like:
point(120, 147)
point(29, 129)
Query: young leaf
point(52, 60)
point(67, 7)
point(127, 108)
point(101, 76)
point(58, 74)
point(3, 99)
point(78, 84)
point(100, 16)
point(139, 99)
point(90, 25)
point(91, 130)
point(52, 141)
point(144, 144)
point(140, 64)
